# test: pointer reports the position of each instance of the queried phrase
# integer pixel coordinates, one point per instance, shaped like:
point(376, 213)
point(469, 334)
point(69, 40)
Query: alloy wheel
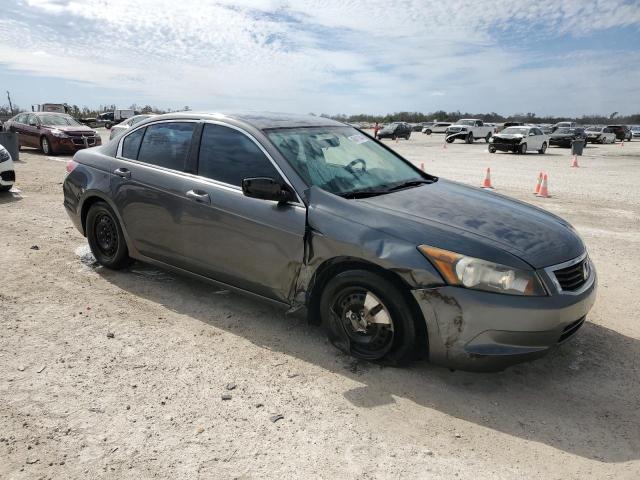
point(365, 320)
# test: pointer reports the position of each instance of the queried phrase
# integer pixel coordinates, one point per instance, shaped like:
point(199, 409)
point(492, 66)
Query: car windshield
point(466, 122)
point(563, 130)
point(594, 129)
point(515, 131)
point(57, 120)
point(343, 161)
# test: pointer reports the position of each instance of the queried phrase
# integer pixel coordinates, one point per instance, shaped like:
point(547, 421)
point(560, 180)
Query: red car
point(52, 132)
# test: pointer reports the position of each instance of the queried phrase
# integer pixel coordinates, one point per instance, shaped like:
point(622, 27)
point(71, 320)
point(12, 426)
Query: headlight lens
point(469, 272)
point(58, 133)
point(4, 155)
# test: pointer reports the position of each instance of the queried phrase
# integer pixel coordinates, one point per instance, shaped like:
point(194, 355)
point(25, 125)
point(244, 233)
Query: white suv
point(7, 175)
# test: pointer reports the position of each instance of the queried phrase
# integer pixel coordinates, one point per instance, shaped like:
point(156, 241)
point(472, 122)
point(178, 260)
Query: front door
point(253, 244)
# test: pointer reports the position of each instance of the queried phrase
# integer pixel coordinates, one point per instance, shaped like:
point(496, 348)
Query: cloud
point(327, 56)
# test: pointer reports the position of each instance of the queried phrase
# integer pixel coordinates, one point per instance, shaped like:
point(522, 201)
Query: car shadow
point(583, 398)
point(9, 197)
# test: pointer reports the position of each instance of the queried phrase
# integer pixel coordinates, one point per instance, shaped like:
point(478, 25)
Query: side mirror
point(266, 188)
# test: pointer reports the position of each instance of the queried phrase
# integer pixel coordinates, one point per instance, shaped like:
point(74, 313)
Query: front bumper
point(481, 331)
point(561, 142)
point(73, 144)
point(505, 146)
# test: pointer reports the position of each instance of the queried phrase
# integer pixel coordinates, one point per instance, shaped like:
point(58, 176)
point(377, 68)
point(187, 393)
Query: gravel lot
point(121, 374)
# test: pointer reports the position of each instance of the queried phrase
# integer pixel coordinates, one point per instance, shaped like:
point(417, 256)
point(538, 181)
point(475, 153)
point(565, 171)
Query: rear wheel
point(543, 149)
point(367, 317)
point(408, 136)
point(523, 149)
point(105, 237)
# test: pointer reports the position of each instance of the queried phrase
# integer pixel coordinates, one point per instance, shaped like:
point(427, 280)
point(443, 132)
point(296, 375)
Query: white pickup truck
point(469, 129)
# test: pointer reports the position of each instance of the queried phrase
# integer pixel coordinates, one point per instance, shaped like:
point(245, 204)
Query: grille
point(571, 329)
point(573, 277)
point(78, 139)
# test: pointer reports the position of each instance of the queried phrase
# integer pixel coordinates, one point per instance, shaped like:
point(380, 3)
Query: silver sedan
point(128, 123)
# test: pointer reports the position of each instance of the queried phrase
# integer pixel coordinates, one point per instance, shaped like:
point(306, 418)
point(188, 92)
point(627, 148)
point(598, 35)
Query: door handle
point(123, 172)
point(199, 196)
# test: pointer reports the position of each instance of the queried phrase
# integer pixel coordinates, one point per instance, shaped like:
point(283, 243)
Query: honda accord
point(312, 214)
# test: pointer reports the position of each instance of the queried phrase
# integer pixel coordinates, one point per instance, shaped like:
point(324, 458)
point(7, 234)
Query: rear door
point(253, 244)
point(149, 186)
point(30, 131)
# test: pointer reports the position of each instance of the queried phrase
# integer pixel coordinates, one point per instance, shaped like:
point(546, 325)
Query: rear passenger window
point(167, 144)
point(131, 144)
point(228, 156)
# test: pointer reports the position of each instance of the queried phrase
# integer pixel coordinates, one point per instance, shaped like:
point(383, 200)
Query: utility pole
point(10, 104)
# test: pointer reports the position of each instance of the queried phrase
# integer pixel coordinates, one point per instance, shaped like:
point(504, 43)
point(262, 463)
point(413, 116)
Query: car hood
point(474, 222)
point(509, 136)
point(70, 128)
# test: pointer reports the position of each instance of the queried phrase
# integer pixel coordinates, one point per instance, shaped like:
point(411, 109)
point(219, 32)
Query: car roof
point(258, 120)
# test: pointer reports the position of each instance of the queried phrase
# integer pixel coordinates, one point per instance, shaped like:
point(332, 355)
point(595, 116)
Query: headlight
point(58, 133)
point(477, 274)
point(4, 155)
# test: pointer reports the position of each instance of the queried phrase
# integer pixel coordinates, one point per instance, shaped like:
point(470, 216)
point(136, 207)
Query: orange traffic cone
point(538, 184)
point(544, 188)
point(487, 180)
point(575, 162)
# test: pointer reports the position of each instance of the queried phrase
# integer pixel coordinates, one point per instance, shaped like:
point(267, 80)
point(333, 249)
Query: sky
point(550, 57)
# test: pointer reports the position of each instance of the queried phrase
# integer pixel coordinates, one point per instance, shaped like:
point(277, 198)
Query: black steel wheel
point(367, 317)
point(105, 237)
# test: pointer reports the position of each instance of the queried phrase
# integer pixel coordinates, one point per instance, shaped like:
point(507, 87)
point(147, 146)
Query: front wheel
point(492, 149)
point(450, 139)
point(45, 146)
point(367, 317)
point(523, 149)
point(543, 149)
point(470, 138)
point(105, 237)
point(107, 125)
point(428, 132)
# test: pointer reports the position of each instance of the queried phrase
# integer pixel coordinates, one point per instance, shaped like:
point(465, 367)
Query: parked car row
point(52, 133)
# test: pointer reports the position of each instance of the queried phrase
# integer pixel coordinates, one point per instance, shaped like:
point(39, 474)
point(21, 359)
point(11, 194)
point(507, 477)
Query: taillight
point(71, 166)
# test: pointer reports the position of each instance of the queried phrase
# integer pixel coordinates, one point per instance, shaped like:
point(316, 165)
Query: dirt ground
point(121, 374)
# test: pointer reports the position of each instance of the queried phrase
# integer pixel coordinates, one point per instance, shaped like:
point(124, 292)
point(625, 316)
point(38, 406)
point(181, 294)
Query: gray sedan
point(312, 214)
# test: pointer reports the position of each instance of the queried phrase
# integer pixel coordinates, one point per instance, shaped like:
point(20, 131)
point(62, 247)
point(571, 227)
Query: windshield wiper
point(409, 184)
point(362, 193)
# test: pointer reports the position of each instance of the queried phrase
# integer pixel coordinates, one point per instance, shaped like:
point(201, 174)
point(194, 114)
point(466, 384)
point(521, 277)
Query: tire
point(523, 149)
point(45, 146)
point(428, 132)
point(108, 125)
point(346, 293)
point(492, 149)
point(393, 137)
point(486, 139)
point(470, 138)
point(5, 188)
point(105, 237)
point(449, 139)
point(543, 149)
point(408, 136)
